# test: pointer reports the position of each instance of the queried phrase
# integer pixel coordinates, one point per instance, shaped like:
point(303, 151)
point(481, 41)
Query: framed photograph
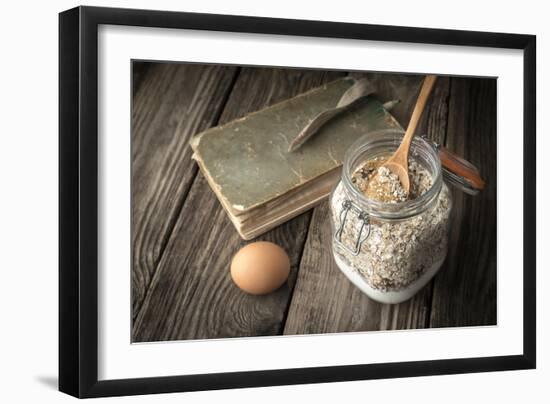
point(252, 201)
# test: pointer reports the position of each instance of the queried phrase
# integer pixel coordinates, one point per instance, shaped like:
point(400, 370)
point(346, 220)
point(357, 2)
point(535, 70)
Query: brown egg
point(260, 268)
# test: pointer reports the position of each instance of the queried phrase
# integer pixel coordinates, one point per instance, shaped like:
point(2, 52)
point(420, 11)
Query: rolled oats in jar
point(389, 243)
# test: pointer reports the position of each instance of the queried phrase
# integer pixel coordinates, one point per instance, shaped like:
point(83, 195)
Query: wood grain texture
point(324, 300)
point(465, 288)
point(191, 295)
point(172, 103)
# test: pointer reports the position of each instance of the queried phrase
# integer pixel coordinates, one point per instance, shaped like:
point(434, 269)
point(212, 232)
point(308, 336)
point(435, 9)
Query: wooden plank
point(192, 295)
point(465, 288)
point(324, 300)
point(172, 103)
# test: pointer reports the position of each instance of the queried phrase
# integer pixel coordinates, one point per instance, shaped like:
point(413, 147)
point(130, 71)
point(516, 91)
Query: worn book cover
point(260, 183)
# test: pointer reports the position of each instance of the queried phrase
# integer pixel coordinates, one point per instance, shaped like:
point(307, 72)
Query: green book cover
point(247, 162)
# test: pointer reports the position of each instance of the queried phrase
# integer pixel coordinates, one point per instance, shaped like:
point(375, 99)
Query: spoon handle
point(425, 91)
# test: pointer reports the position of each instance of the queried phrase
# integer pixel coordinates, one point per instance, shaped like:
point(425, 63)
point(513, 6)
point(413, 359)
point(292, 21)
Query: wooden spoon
point(399, 162)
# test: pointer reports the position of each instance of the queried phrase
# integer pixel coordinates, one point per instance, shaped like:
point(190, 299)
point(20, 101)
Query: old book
point(258, 182)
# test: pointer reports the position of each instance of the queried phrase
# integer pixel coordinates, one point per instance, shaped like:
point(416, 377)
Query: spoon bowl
point(398, 163)
point(401, 172)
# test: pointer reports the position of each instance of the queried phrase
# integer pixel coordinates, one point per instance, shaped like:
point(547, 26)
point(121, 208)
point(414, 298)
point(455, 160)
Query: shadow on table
point(48, 381)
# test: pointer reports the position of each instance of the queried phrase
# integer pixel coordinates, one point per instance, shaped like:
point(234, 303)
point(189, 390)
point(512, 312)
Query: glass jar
point(390, 250)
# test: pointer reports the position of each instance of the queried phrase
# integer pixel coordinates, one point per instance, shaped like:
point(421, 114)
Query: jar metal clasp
point(363, 216)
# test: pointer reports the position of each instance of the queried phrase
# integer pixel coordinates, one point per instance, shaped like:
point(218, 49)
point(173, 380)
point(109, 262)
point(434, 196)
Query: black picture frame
point(78, 203)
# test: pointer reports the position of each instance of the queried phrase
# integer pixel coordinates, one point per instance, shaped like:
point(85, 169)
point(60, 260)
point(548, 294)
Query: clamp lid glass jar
point(390, 250)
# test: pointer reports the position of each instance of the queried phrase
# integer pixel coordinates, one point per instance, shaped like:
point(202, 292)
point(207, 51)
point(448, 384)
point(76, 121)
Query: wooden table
point(183, 242)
